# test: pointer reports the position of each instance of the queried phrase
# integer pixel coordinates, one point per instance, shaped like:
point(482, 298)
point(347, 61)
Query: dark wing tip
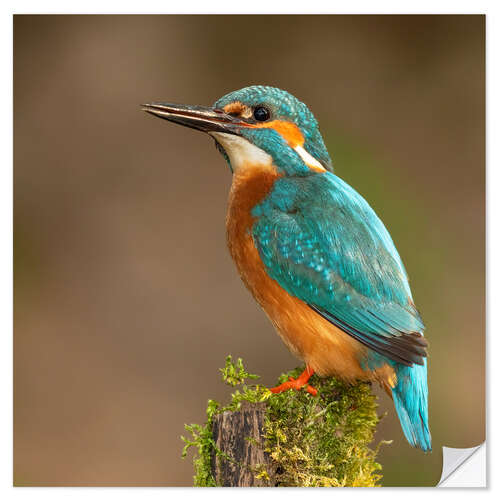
point(412, 345)
point(409, 348)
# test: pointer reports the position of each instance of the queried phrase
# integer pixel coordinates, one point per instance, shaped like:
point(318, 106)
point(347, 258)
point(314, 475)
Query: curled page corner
point(464, 467)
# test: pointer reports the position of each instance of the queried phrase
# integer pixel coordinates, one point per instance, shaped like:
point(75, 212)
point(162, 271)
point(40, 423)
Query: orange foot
point(297, 383)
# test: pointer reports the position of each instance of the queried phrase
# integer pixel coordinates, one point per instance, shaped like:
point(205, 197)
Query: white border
point(255, 6)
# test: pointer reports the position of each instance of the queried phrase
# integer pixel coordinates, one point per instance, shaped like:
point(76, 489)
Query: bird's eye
point(261, 114)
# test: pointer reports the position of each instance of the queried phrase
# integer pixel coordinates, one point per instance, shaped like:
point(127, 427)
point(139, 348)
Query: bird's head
point(257, 126)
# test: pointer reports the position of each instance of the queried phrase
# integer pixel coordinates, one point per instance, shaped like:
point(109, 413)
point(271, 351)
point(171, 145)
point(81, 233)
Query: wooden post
point(287, 439)
point(238, 435)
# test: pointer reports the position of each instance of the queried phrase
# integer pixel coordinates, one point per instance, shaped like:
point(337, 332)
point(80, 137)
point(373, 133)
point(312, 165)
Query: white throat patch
point(242, 153)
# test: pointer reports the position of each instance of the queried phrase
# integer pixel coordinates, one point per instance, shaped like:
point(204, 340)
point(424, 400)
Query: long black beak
point(198, 117)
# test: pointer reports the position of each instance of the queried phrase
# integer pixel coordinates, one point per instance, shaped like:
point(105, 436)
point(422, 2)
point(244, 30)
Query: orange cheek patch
point(288, 130)
point(234, 108)
point(237, 108)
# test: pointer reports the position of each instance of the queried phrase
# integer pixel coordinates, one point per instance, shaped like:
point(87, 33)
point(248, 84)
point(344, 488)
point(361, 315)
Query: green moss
point(312, 440)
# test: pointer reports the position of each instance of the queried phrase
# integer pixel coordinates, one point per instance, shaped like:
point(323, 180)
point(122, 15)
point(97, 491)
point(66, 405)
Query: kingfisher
point(312, 251)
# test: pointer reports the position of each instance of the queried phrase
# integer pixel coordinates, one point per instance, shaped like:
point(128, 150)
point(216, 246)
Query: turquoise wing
point(321, 241)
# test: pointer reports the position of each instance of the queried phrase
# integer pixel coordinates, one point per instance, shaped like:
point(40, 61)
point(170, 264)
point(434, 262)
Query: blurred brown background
point(126, 300)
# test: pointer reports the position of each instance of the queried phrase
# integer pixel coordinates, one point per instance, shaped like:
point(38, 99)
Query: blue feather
point(410, 400)
point(318, 229)
point(322, 242)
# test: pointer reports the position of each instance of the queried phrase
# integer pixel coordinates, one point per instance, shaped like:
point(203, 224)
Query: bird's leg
point(297, 383)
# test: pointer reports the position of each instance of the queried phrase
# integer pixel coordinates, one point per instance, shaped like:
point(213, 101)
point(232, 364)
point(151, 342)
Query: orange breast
point(324, 347)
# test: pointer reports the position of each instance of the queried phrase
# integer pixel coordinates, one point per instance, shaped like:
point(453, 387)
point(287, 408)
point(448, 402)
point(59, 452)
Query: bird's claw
point(296, 384)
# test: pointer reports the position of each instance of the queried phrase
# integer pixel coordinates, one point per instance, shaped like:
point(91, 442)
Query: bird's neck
point(249, 187)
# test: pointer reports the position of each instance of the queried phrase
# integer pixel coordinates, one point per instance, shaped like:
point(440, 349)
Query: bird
point(312, 252)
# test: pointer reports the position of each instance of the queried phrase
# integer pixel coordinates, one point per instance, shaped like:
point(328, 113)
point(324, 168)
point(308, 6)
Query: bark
point(239, 436)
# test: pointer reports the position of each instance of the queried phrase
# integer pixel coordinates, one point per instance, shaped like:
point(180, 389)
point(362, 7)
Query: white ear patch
point(309, 160)
point(242, 153)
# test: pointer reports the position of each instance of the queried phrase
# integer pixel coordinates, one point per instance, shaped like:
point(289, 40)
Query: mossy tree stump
point(287, 439)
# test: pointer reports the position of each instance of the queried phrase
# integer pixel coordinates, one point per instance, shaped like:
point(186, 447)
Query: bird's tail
point(410, 400)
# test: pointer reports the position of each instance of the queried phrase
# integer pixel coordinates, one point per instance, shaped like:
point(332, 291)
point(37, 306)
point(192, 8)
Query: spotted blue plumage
point(321, 241)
